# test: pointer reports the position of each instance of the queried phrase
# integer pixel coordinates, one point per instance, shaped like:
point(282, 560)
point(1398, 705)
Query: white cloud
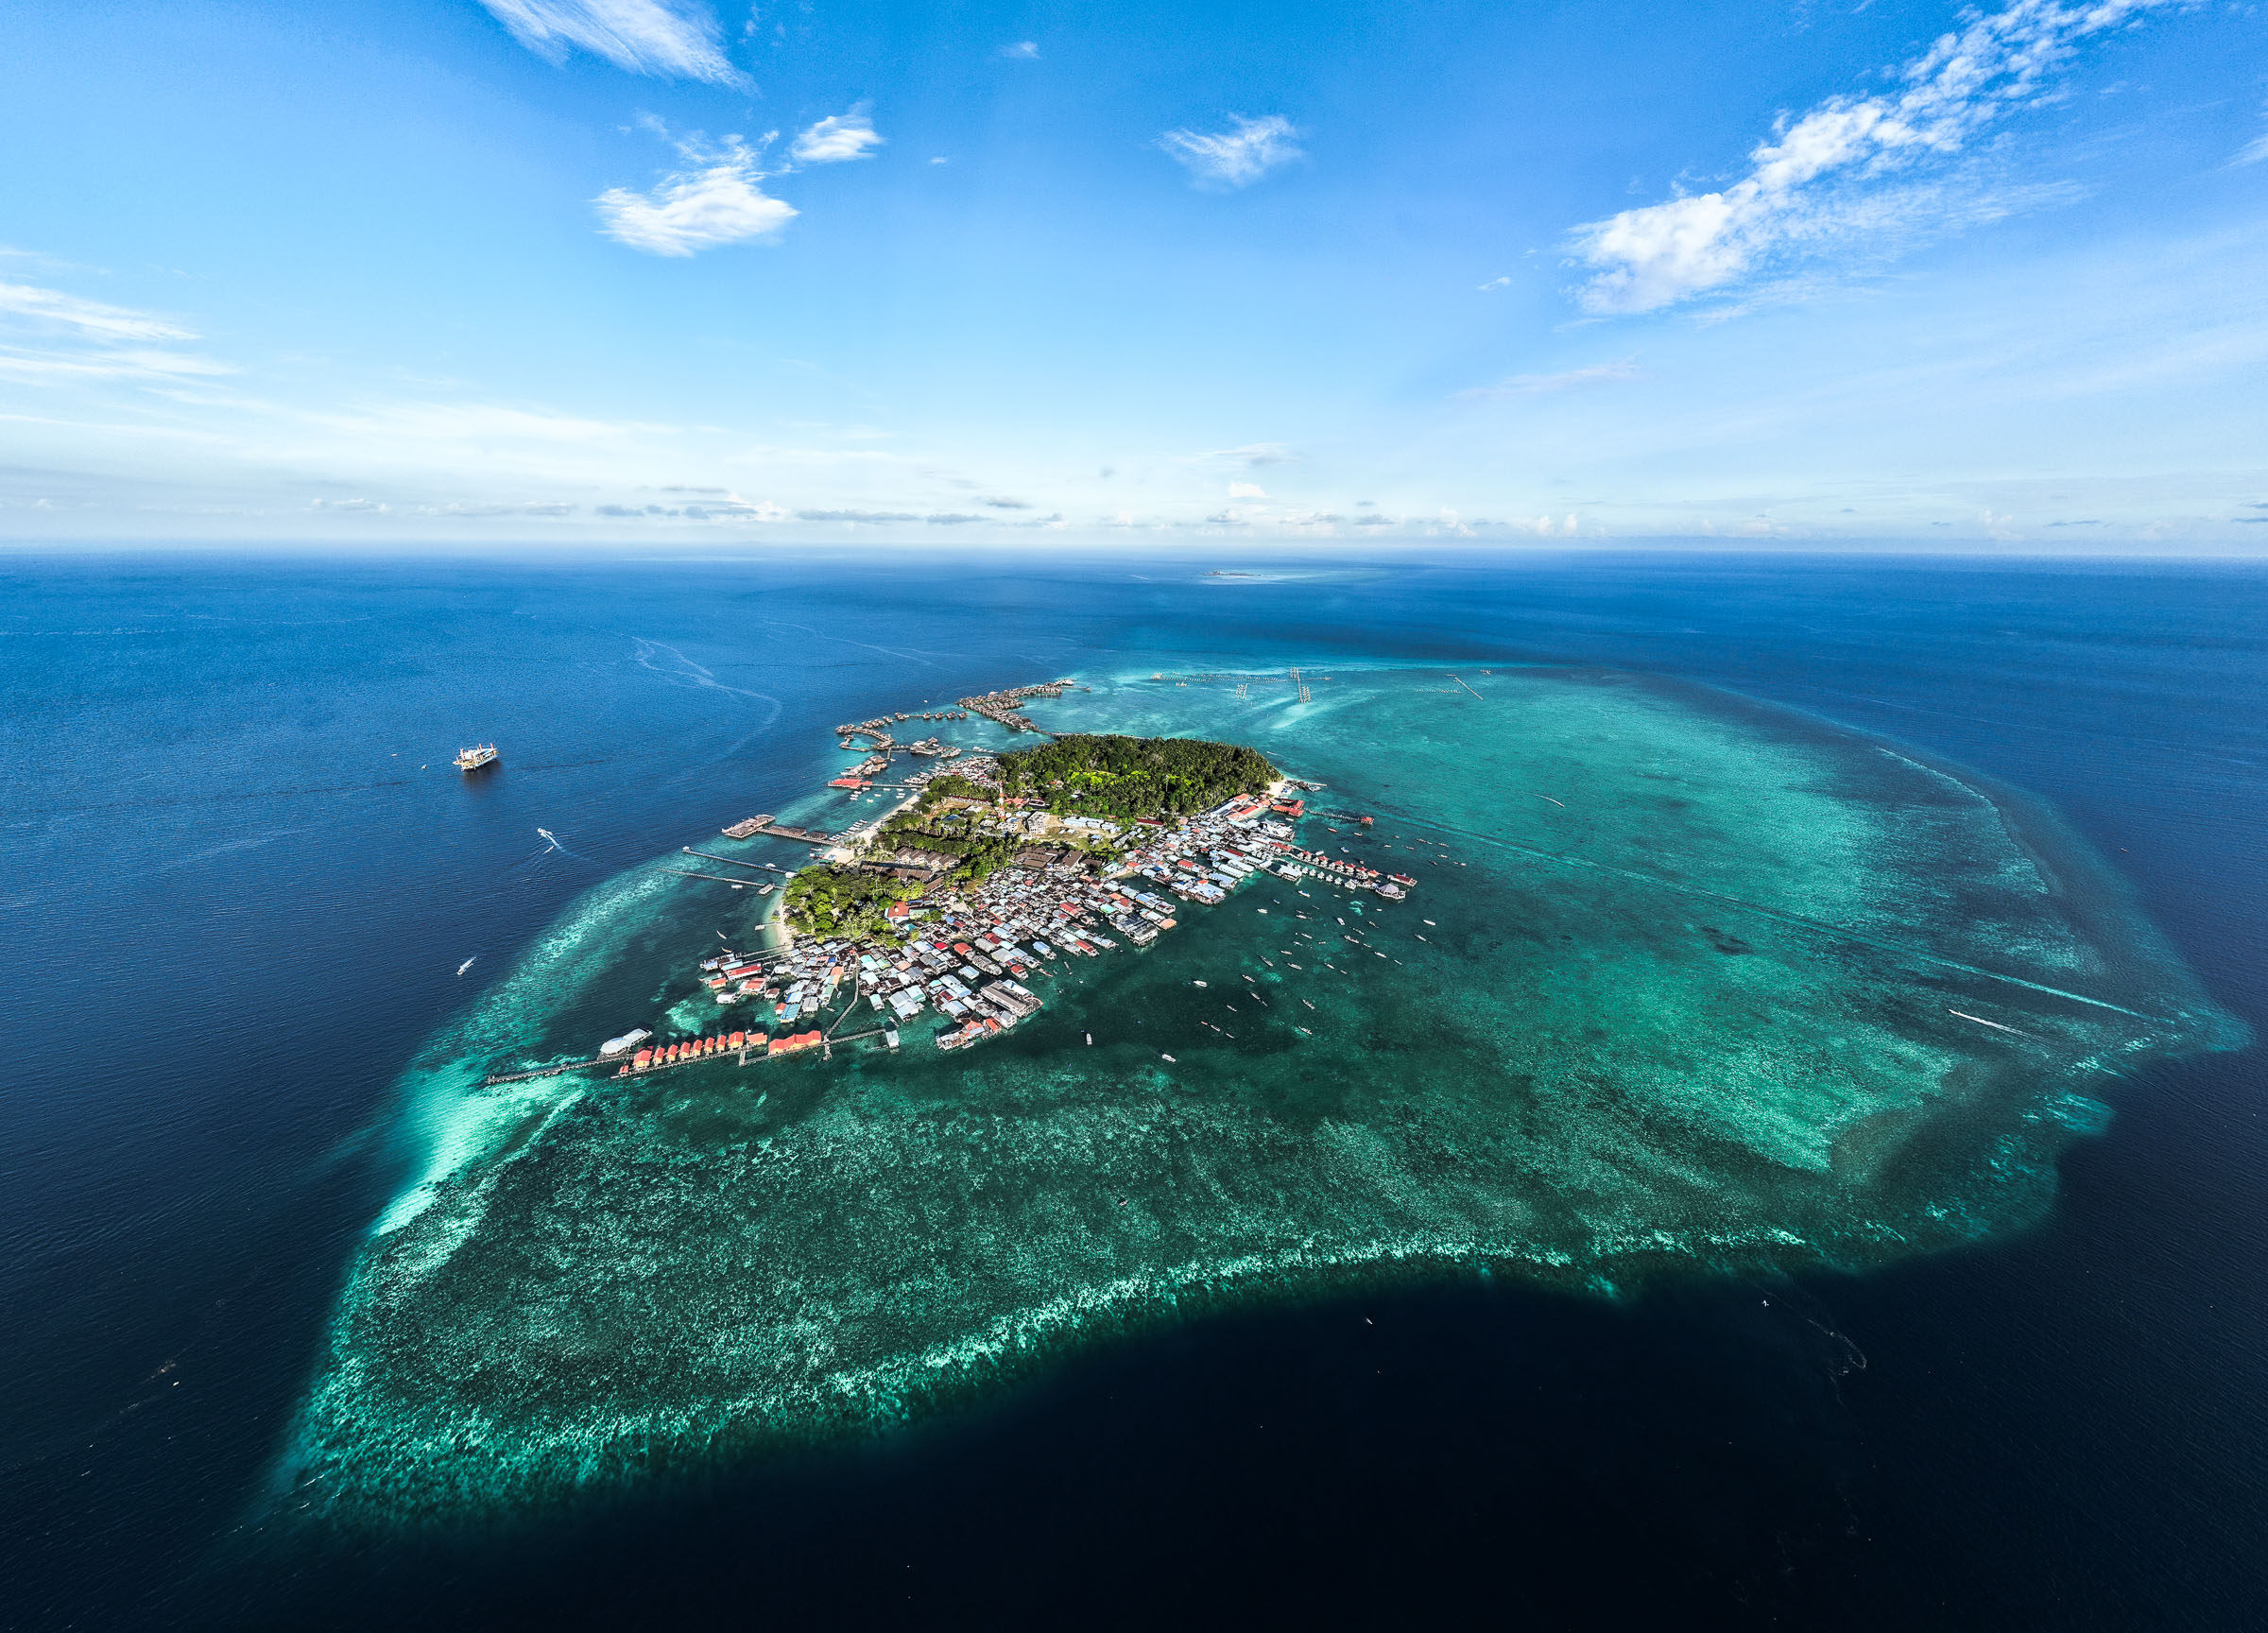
point(2253, 151)
point(108, 364)
point(1246, 490)
point(1505, 283)
point(1023, 51)
point(1566, 378)
point(480, 425)
point(1236, 158)
point(46, 335)
point(87, 318)
point(1258, 454)
point(831, 141)
point(1797, 190)
point(524, 508)
point(721, 201)
point(668, 40)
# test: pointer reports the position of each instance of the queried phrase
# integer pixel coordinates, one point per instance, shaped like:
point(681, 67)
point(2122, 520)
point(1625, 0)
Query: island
point(991, 874)
point(1691, 987)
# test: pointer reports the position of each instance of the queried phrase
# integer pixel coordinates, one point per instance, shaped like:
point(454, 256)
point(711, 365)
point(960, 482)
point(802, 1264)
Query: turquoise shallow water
point(1705, 986)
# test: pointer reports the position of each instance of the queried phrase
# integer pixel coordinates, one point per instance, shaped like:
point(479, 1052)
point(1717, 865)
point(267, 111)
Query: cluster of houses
point(972, 964)
point(968, 955)
point(1000, 706)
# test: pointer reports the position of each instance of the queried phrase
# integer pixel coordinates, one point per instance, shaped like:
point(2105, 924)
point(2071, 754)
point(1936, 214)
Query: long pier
point(753, 826)
point(781, 831)
point(731, 861)
point(743, 1056)
point(553, 1070)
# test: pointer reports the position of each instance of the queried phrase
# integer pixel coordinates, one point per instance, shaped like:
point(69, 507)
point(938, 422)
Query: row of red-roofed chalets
point(1370, 876)
point(722, 1043)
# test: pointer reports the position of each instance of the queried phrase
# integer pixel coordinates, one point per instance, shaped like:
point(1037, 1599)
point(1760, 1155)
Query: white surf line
point(1982, 1022)
point(1797, 919)
point(1561, 803)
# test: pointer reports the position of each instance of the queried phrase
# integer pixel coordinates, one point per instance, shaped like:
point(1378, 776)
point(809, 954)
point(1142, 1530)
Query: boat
point(474, 759)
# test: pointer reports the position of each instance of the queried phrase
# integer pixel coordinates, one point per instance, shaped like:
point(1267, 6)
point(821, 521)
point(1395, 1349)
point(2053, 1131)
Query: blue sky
point(665, 273)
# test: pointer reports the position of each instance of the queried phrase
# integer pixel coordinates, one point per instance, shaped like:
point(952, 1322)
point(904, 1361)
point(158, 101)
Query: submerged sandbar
point(1686, 984)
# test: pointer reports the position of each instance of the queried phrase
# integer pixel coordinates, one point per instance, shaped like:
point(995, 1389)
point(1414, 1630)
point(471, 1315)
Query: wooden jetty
point(771, 829)
point(733, 861)
point(553, 1070)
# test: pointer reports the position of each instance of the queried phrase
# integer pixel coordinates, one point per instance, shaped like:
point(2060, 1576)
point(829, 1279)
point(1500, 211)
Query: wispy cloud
point(731, 507)
point(1258, 454)
point(107, 365)
point(1226, 160)
point(1566, 380)
point(1246, 490)
point(1022, 51)
point(477, 425)
point(999, 503)
point(2254, 151)
point(719, 200)
point(90, 319)
point(1810, 183)
point(526, 508)
point(48, 334)
point(669, 40)
point(831, 141)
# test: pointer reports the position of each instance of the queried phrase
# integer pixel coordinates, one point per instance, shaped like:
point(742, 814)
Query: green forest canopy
point(825, 900)
point(1114, 775)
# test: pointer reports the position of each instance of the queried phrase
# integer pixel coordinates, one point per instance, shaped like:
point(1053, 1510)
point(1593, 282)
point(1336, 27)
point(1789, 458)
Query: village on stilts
point(994, 871)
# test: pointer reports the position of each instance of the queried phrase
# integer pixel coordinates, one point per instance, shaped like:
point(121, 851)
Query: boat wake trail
point(552, 844)
point(679, 670)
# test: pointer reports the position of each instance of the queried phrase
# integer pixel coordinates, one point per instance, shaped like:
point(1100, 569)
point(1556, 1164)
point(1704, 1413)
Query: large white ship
point(474, 759)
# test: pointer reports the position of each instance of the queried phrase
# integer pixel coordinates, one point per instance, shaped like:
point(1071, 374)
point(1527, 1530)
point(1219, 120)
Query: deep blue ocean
point(237, 879)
